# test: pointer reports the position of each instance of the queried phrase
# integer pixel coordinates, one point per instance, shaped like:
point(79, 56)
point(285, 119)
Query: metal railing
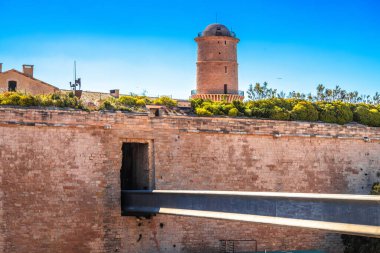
point(232, 34)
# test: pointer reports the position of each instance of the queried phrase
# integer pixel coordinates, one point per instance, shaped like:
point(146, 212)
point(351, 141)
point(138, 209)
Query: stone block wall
point(60, 177)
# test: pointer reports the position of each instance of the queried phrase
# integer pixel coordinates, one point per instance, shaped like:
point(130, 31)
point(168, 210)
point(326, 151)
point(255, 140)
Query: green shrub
point(258, 112)
point(335, 112)
point(248, 112)
point(375, 189)
point(226, 108)
point(128, 100)
point(261, 108)
point(165, 100)
point(239, 105)
point(113, 104)
point(195, 103)
point(366, 115)
point(140, 102)
point(10, 98)
point(106, 105)
point(202, 112)
point(216, 108)
point(56, 99)
point(207, 106)
point(278, 113)
point(45, 100)
point(287, 104)
point(233, 112)
point(304, 110)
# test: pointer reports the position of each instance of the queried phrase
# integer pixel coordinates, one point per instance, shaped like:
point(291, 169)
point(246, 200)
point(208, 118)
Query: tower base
point(219, 97)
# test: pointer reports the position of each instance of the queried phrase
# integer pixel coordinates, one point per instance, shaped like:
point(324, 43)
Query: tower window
point(225, 42)
point(225, 69)
point(12, 85)
point(218, 31)
point(219, 52)
point(225, 89)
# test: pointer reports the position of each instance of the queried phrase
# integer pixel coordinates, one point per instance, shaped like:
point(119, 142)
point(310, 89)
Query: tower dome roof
point(217, 30)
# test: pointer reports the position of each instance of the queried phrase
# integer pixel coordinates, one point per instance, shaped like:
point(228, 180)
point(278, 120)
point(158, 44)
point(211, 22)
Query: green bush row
point(134, 103)
point(292, 109)
point(68, 100)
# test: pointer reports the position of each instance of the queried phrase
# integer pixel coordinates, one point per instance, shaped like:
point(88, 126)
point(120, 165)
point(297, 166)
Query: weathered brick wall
point(59, 177)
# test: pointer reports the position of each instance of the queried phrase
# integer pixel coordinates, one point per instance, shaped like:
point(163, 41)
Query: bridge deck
point(341, 213)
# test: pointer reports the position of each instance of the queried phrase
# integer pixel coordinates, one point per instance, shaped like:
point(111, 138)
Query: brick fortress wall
point(60, 177)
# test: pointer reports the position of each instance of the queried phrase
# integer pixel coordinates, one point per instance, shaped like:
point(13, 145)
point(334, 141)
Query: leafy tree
point(320, 92)
point(259, 91)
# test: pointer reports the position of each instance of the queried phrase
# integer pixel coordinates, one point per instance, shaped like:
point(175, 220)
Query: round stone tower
point(217, 67)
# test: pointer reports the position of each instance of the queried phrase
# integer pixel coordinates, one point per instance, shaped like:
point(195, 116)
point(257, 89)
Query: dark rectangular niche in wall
point(134, 173)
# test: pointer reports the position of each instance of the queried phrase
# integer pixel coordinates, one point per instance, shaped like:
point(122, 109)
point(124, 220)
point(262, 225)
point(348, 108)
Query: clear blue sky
point(137, 45)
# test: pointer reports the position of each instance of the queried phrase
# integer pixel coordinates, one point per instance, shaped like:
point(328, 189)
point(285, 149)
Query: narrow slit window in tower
point(225, 42)
point(134, 173)
point(225, 69)
point(225, 89)
point(12, 85)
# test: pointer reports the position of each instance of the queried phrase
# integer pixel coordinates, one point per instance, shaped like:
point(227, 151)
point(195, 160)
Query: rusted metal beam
point(341, 213)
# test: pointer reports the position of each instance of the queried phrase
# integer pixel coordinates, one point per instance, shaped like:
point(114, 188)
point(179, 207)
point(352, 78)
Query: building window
point(225, 42)
point(12, 85)
point(225, 89)
point(225, 69)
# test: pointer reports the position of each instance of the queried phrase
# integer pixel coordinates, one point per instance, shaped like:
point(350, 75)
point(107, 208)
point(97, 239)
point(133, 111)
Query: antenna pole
point(77, 82)
point(75, 71)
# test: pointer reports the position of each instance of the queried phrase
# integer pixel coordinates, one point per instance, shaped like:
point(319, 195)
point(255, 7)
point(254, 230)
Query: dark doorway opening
point(134, 173)
point(12, 85)
point(225, 89)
